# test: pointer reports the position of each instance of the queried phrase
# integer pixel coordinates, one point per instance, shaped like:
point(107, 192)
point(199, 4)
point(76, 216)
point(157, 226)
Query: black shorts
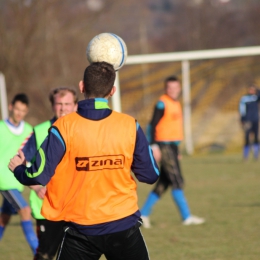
point(125, 245)
point(50, 234)
point(170, 171)
point(251, 128)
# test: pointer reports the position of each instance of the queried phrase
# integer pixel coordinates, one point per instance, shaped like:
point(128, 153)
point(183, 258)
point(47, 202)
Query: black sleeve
point(258, 94)
point(157, 115)
point(30, 148)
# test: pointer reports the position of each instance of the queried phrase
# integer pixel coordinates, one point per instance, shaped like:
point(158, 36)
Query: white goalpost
point(184, 58)
point(3, 97)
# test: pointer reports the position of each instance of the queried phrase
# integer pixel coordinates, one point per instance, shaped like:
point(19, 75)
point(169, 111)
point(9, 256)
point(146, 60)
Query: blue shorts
point(13, 201)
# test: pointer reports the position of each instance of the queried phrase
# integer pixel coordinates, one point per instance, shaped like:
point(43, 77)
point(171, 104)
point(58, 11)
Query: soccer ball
point(107, 47)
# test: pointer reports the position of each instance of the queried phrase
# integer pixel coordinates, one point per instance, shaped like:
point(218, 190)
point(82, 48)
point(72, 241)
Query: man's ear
point(112, 92)
point(81, 86)
point(10, 107)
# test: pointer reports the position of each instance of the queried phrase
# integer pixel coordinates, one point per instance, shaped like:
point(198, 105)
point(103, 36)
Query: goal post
point(116, 97)
point(3, 97)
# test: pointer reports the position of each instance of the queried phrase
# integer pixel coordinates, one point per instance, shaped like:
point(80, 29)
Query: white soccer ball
point(107, 47)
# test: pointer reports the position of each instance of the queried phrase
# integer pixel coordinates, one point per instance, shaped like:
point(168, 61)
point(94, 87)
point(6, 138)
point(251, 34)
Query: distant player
point(13, 132)
point(86, 163)
point(249, 116)
point(63, 101)
point(165, 134)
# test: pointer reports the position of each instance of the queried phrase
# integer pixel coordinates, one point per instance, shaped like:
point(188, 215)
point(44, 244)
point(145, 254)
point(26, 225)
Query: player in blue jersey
point(249, 117)
point(13, 132)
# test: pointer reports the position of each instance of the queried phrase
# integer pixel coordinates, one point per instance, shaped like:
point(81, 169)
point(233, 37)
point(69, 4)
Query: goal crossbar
point(193, 55)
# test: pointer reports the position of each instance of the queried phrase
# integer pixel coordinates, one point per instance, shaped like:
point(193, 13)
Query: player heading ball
point(100, 206)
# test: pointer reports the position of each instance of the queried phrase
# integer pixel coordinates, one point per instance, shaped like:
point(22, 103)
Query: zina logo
point(100, 162)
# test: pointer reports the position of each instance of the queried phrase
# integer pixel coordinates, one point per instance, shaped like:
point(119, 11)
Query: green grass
point(222, 188)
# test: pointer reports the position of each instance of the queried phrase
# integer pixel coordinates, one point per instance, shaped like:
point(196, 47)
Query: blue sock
point(246, 151)
point(30, 235)
point(150, 201)
point(2, 229)
point(181, 202)
point(256, 150)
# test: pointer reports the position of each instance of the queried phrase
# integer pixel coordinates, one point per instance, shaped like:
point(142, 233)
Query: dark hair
point(171, 78)
point(99, 78)
point(62, 91)
point(22, 98)
point(252, 85)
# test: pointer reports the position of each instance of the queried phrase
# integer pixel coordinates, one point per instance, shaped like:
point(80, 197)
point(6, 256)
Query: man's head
point(98, 80)
point(172, 87)
point(18, 108)
point(63, 100)
point(252, 89)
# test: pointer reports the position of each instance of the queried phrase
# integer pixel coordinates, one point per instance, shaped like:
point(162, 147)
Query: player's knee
point(159, 190)
point(4, 219)
point(25, 213)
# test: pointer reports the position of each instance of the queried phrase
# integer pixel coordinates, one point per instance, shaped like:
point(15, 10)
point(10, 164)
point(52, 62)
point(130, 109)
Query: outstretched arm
point(17, 160)
point(46, 160)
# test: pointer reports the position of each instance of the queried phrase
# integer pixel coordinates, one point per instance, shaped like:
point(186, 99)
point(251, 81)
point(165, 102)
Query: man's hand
point(17, 160)
point(40, 190)
point(246, 125)
point(156, 152)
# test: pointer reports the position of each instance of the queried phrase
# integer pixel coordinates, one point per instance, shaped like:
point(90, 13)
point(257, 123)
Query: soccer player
point(13, 132)
point(86, 163)
point(63, 101)
point(165, 134)
point(249, 116)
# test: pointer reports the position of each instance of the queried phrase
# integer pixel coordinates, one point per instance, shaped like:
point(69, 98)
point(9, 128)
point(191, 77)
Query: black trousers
point(50, 234)
point(125, 245)
point(170, 170)
point(251, 128)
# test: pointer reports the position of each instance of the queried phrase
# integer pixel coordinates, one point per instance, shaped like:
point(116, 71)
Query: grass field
point(222, 188)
